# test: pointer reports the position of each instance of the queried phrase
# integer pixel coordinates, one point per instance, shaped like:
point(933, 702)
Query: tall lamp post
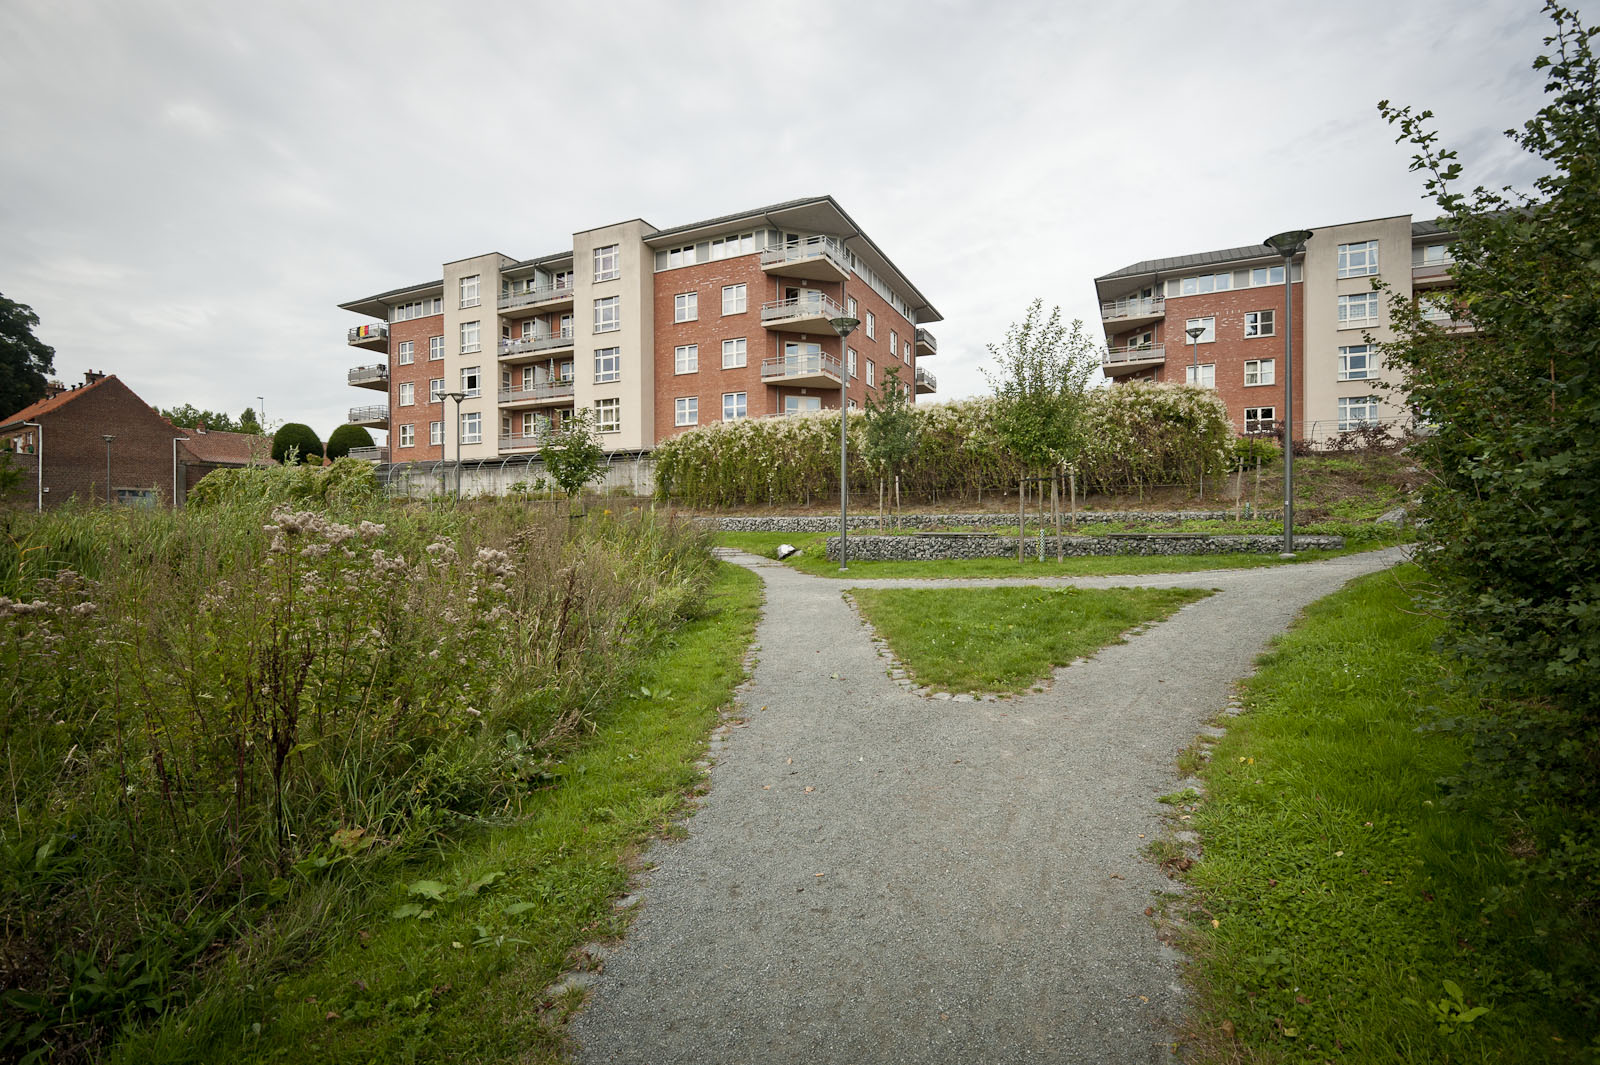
point(1288, 244)
point(38, 452)
point(844, 326)
point(458, 397)
point(108, 437)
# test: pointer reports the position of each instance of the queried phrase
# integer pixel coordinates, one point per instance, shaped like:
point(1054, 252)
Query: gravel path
point(880, 877)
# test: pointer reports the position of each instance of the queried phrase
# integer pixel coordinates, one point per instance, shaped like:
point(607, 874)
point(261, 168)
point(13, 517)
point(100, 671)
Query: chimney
point(54, 389)
point(200, 427)
point(91, 376)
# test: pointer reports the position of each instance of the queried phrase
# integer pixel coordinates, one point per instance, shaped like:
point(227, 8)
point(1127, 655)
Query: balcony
point(1133, 311)
point(811, 370)
point(370, 454)
point(549, 297)
point(927, 384)
point(522, 442)
point(373, 417)
point(927, 344)
point(815, 258)
point(1132, 358)
point(1432, 275)
point(541, 394)
point(807, 314)
point(373, 336)
point(375, 376)
point(560, 340)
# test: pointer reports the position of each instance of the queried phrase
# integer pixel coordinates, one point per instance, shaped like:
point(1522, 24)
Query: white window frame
point(872, 374)
point(1359, 259)
point(850, 361)
point(608, 415)
point(608, 262)
point(1208, 374)
point(435, 348)
point(405, 352)
point(686, 410)
point(735, 299)
point(1368, 407)
point(735, 406)
point(469, 291)
point(850, 307)
point(607, 365)
point(471, 337)
point(894, 343)
point(436, 390)
point(608, 314)
point(408, 394)
point(686, 307)
point(435, 434)
point(801, 404)
point(1366, 300)
point(735, 353)
point(1209, 323)
point(1266, 275)
point(408, 436)
point(474, 375)
point(1258, 372)
point(1260, 324)
point(471, 427)
point(1270, 418)
point(872, 326)
point(1366, 353)
point(686, 358)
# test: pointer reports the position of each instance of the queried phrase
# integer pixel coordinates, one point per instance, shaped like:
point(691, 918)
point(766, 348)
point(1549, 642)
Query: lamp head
point(107, 437)
point(844, 326)
point(1288, 243)
point(1194, 331)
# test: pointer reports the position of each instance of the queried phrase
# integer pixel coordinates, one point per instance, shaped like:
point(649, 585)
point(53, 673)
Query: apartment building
point(655, 331)
point(1235, 297)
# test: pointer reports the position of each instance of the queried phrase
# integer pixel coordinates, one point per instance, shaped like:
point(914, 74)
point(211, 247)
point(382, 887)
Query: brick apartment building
point(653, 330)
point(61, 447)
point(1235, 296)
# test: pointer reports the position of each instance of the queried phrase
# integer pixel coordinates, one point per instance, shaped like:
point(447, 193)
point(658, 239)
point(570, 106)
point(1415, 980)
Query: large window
point(1260, 371)
point(1357, 362)
point(1432, 255)
point(1259, 323)
point(607, 262)
point(1193, 286)
point(734, 299)
point(686, 307)
point(1359, 308)
point(469, 291)
point(734, 406)
point(1207, 377)
point(436, 390)
point(1356, 411)
point(404, 312)
point(435, 348)
point(471, 381)
point(408, 436)
point(1260, 419)
point(686, 358)
point(733, 353)
point(1358, 260)
point(1207, 324)
point(469, 337)
point(471, 428)
point(408, 394)
point(608, 314)
point(1266, 275)
point(608, 415)
point(686, 410)
point(607, 365)
point(797, 404)
point(729, 246)
point(405, 353)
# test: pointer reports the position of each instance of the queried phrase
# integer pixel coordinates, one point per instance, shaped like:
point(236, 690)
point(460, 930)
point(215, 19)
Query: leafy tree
point(342, 439)
point(307, 445)
point(572, 455)
point(1511, 539)
point(892, 433)
point(24, 358)
point(189, 416)
point(249, 423)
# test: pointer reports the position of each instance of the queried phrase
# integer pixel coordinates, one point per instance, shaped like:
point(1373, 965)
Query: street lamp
point(107, 437)
point(1195, 332)
point(1288, 245)
point(844, 326)
point(458, 397)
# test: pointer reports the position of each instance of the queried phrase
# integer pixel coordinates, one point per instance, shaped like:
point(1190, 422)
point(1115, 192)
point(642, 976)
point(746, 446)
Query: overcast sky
point(188, 189)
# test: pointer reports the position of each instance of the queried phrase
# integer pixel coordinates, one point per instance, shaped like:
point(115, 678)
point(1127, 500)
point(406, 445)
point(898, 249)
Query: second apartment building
point(654, 331)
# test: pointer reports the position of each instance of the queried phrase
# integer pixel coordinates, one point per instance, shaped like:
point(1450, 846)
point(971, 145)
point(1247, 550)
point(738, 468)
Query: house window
point(734, 406)
point(1356, 411)
point(404, 352)
point(686, 307)
point(404, 312)
point(797, 404)
point(1259, 323)
point(1260, 371)
point(469, 291)
point(733, 299)
point(850, 361)
point(850, 308)
point(436, 390)
point(1260, 419)
point(686, 358)
point(872, 374)
point(905, 353)
point(1432, 255)
point(471, 428)
point(728, 247)
point(686, 410)
point(471, 381)
point(608, 314)
point(1192, 286)
point(1360, 308)
point(1207, 324)
point(435, 348)
point(469, 337)
point(1358, 260)
point(872, 326)
point(1208, 375)
point(608, 415)
point(1266, 275)
point(894, 343)
point(733, 353)
point(607, 262)
point(1357, 362)
point(408, 436)
point(1436, 309)
point(607, 365)
point(436, 433)
point(408, 393)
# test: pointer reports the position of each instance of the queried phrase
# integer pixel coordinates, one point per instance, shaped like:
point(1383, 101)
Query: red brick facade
point(418, 332)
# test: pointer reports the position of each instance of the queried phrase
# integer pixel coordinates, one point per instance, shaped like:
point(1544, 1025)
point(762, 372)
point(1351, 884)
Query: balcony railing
point(803, 308)
point(808, 365)
point(374, 376)
point(523, 442)
point(371, 335)
point(511, 301)
point(1134, 307)
point(371, 454)
point(926, 382)
point(560, 338)
point(806, 257)
point(927, 344)
point(558, 389)
point(376, 414)
point(1135, 353)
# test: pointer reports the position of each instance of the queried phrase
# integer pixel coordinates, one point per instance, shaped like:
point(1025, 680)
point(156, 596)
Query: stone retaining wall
point(935, 547)
point(818, 523)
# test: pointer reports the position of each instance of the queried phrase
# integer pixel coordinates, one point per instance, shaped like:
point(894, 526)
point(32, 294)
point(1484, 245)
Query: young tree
point(892, 434)
point(24, 358)
point(572, 456)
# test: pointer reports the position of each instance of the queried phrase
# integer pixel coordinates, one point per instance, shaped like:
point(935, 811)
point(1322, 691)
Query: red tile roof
point(228, 449)
point(54, 403)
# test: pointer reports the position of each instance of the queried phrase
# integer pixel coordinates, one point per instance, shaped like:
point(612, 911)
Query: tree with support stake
point(892, 435)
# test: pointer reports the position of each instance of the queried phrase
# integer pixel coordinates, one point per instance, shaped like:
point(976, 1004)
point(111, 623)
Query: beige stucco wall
point(488, 268)
point(636, 338)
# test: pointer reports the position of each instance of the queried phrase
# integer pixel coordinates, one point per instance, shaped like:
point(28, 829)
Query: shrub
point(342, 439)
point(300, 439)
point(1249, 451)
point(347, 483)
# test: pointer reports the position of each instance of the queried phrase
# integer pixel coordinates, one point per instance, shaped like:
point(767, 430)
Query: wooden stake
point(1055, 506)
point(1022, 510)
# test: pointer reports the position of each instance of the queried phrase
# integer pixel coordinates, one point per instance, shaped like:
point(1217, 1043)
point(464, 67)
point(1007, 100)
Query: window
point(850, 308)
point(1259, 323)
point(872, 326)
point(408, 436)
point(469, 337)
point(728, 247)
point(905, 353)
point(796, 404)
point(435, 348)
point(1358, 260)
point(1208, 375)
point(850, 361)
point(471, 428)
point(436, 390)
point(408, 394)
point(1192, 286)
point(403, 353)
point(436, 433)
point(1208, 324)
point(686, 410)
point(608, 314)
point(734, 406)
point(404, 312)
point(608, 415)
point(1356, 411)
point(1432, 255)
point(471, 381)
point(1436, 309)
point(894, 343)
point(872, 374)
point(607, 365)
point(1260, 419)
point(733, 299)
point(1260, 371)
point(1361, 308)
point(686, 307)
point(1266, 275)
point(676, 257)
point(733, 353)
point(469, 291)
point(686, 358)
point(1357, 362)
point(607, 262)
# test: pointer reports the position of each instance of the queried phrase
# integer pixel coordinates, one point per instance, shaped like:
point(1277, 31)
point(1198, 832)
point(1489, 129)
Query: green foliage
point(24, 358)
point(1511, 539)
point(189, 416)
point(572, 455)
point(1041, 384)
point(296, 442)
point(10, 472)
point(1251, 451)
point(348, 483)
point(342, 439)
point(891, 426)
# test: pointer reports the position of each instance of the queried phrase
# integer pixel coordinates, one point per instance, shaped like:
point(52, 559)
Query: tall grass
point(206, 713)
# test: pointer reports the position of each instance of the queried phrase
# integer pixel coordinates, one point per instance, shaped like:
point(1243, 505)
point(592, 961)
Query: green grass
point(1349, 893)
point(467, 982)
point(1007, 639)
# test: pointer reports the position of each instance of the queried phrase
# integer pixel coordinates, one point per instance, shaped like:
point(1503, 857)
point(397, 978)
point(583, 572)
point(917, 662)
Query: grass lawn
point(1345, 907)
point(451, 962)
point(1007, 639)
